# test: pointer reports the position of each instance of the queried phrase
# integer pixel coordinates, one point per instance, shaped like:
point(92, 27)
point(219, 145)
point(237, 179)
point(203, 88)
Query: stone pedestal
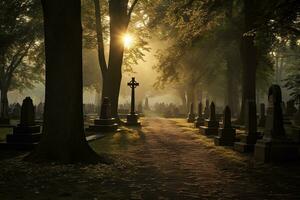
point(103, 126)
point(191, 118)
point(275, 150)
point(105, 123)
point(246, 144)
point(248, 141)
point(209, 128)
point(226, 137)
point(198, 122)
point(24, 134)
point(132, 120)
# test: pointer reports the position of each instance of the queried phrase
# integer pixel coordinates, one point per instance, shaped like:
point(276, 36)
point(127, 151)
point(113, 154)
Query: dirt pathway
point(165, 159)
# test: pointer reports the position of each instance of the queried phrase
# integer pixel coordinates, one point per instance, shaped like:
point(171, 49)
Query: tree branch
point(131, 8)
point(100, 42)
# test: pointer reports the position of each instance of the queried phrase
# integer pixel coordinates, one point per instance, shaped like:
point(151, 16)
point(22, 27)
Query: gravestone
point(262, 116)
point(251, 135)
point(297, 116)
point(211, 125)
point(290, 108)
point(206, 109)
point(191, 115)
point(4, 118)
point(40, 110)
point(105, 123)
point(227, 134)
point(147, 104)
point(275, 146)
point(27, 132)
point(132, 117)
point(16, 111)
point(199, 120)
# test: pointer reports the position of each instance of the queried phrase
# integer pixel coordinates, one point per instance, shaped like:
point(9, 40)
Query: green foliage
point(138, 28)
point(21, 48)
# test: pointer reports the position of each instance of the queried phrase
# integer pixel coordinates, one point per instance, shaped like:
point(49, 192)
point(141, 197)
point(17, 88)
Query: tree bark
point(249, 58)
point(63, 132)
point(118, 27)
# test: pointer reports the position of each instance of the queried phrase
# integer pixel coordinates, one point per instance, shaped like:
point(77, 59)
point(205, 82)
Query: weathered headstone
point(191, 115)
point(132, 117)
point(297, 116)
point(105, 123)
point(16, 111)
point(275, 146)
point(248, 140)
point(27, 132)
point(4, 118)
point(211, 125)
point(262, 116)
point(227, 134)
point(290, 108)
point(199, 120)
point(206, 109)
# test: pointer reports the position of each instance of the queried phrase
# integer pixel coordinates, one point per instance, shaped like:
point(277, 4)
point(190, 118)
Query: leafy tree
point(21, 48)
point(106, 24)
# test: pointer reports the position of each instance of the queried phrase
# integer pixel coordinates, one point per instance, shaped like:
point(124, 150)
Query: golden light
point(127, 40)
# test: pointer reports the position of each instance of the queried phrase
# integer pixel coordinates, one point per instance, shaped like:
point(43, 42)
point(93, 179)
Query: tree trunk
point(249, 58)
point(118, 27)
point(63, 132)
point(232, 85)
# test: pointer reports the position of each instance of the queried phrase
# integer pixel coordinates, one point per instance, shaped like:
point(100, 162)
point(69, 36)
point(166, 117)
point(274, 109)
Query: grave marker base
point(275, 151)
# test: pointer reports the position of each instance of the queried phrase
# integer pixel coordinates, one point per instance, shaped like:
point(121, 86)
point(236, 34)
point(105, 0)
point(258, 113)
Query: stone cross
point(132, 84)
point(105, 109)
point(212, 116)
point(27, 113)
point(274, 124)
point(227, 118)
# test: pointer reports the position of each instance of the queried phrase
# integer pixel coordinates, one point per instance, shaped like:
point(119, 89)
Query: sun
point(128, 40)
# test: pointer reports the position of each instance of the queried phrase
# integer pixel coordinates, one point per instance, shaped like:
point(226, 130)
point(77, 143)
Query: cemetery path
point(164, 159)
point(173, 161)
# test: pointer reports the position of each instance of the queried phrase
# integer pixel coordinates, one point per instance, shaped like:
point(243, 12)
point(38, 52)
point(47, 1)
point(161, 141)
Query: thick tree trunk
point(232, 85)
point(118, 27)
point(63, 132)
point(249, 58)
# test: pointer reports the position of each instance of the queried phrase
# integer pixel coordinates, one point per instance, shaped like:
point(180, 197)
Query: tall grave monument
point(26, 133)
point(132, 117)
point(211, 125)
point(226, 135)
point(275, 146)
